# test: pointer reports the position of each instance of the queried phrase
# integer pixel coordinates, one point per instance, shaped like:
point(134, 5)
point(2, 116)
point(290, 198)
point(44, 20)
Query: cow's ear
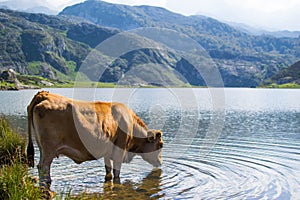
point(158, 134)
point(150, 136)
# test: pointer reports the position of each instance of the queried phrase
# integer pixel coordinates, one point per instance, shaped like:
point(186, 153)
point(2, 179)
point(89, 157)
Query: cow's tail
point(39, 97)
point(30, 148)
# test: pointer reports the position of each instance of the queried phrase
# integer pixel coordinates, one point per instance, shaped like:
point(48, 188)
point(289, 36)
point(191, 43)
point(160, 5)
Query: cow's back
point(55, 129)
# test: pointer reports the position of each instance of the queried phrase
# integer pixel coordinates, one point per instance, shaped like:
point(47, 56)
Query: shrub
point(14, 180)
point(16, 184)
point(12, 144)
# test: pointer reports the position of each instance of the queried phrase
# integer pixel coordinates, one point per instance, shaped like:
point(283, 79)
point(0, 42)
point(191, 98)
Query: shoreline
point(12, 81)
point(7, 86)
point(127, 86)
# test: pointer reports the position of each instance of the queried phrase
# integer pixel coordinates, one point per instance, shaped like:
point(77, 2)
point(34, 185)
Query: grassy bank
point(12, 144)
point(14, 180)
point(283, 86)
point(34, 82)
point(15, 183)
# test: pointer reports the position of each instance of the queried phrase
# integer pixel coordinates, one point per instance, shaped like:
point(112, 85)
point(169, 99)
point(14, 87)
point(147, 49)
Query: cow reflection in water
point(149, 187)
point(86, 131)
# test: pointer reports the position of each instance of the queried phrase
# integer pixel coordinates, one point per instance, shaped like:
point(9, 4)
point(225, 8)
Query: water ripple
point(234, 169)
point(237, 170)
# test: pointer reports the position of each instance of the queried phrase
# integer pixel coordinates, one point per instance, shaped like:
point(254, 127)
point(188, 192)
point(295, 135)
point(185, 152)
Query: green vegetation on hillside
point(243, 59)
point(35, 82)
point(286, 78)
point(55, 47)
point(37, 44)
point(286, 85)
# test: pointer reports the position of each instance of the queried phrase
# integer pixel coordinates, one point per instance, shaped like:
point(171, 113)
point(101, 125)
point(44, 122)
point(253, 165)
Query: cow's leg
point(118, 156)
point(44, 170)
point(116, 171)
point(124, 131)
point(108, 167)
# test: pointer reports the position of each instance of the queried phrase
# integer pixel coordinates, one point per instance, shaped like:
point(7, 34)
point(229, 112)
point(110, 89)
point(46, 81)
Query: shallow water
point(255, 156)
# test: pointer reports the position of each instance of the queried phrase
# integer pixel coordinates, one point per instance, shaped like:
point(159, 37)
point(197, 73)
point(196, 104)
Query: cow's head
point(153, 146)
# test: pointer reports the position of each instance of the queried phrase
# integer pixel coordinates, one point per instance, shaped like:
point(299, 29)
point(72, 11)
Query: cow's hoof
point(47, 193)
point(108, 177)
point(117, 180)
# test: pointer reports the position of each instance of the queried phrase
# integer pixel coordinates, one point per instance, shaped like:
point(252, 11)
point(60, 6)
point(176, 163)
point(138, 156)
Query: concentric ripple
point(243, 164)
point(235, 169)
point(256, 157)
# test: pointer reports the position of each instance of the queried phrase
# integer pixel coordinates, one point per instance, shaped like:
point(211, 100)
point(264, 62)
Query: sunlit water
point(255, 156)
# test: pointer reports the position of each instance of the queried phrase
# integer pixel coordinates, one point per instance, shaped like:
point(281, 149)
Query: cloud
point(159, 3)
point(61, 4)
point(272, 14)
point(23, 4)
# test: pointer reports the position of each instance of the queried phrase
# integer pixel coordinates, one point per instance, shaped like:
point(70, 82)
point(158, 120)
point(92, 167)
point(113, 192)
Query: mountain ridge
point(39, 44)
point(263, 31)
point(243, 59)
point(55, 46)
point(287, 76)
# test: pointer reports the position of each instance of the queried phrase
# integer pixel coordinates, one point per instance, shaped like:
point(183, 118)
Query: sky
point(266, 14)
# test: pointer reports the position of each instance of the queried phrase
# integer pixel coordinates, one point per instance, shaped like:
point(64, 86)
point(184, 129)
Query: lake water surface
point(249, 148)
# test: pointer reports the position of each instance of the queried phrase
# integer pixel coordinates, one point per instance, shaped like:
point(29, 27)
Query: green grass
point(282, 86)
point(15, 183)
point(94, 85)
point(14, 180)
point(83, 83)
point(71, 84)
point(5, 85)
point(12, 144)
point(35, 67)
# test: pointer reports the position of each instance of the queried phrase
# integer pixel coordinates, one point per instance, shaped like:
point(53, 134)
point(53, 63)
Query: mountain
point(48, 46)
point(289, 75)
point(41, 9)
point(243, 59)
point(260, 31)
point(55, 47)
point(285, 33)
point(24, 6)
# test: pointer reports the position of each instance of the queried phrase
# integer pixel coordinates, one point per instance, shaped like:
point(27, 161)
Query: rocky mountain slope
point(289, 75)
point(243, 59)
point(48, 46)
point(55, 47)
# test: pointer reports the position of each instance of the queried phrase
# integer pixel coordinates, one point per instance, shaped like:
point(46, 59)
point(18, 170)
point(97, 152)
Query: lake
point(233, 143)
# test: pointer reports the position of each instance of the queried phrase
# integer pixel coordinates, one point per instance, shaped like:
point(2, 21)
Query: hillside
point(260, 31)
point(243, 59)
point(288, 76)
point(32, 7)
point(48, 46)
point(55, 47)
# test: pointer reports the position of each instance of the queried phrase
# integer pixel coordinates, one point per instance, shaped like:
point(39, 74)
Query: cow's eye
point(150, 139)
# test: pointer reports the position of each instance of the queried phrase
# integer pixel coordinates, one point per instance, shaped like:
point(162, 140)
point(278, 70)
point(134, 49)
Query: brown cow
point(85, 131)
